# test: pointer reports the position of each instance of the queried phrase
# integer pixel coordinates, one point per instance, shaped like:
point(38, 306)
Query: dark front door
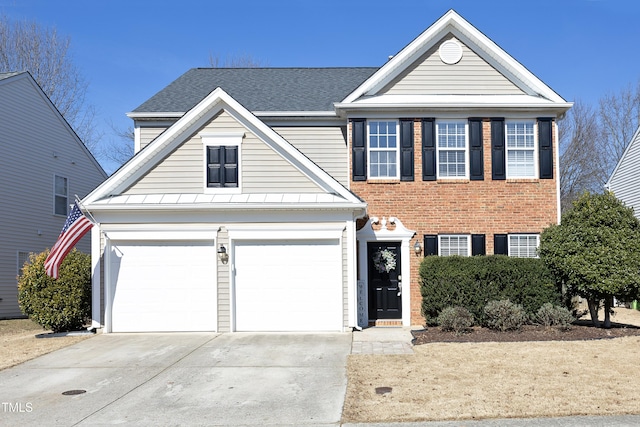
point(385, 280)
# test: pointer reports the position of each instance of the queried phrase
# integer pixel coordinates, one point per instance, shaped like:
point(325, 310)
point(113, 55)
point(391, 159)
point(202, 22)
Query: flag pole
point(84, 208)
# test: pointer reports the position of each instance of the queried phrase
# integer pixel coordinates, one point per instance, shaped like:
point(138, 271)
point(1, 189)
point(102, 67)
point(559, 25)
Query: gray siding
point(148, 134)
point(36, 145)
point(325, 146)
point(471, 76)
point(262, 169)
point(625, 184)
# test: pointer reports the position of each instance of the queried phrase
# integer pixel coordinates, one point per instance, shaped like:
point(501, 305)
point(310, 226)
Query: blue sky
point(128, 50)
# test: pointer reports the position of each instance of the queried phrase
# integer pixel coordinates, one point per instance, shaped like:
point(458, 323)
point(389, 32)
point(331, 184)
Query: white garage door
point(288, 286)
point(163, 286)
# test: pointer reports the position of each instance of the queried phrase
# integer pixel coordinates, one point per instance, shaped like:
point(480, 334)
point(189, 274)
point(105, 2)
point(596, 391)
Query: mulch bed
point(580, 330)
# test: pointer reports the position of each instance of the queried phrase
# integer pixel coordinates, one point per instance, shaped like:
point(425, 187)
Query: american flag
point(76, 226)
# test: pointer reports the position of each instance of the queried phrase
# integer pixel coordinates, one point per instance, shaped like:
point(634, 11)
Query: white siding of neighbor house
point(36, 145)
point(325, 146)
point(625, 183)
point(262, 169)
point(472, 75)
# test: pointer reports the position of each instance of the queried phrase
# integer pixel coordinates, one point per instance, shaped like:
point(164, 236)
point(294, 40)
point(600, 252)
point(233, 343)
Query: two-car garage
point(168, 285)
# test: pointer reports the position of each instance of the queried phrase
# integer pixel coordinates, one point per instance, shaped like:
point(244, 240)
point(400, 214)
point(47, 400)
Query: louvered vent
point(450, 52)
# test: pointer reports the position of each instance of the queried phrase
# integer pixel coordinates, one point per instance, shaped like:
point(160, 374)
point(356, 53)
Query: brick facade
point(460, 206)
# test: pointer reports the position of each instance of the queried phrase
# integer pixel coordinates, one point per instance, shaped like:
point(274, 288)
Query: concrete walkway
point(382, 340)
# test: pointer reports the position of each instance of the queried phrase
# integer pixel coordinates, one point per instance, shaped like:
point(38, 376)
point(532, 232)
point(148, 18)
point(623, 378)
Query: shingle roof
point(7, 75)
point(261, 89)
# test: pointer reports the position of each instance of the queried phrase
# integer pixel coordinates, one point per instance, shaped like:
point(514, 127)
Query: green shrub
point(60, 305)
point(504, 315)
point(551, 315)
point(472, 282)
point(455, 319)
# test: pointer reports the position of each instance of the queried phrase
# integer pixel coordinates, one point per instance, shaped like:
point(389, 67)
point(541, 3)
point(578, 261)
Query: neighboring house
point(624, 181)
point(44, 165)
point(304, 199)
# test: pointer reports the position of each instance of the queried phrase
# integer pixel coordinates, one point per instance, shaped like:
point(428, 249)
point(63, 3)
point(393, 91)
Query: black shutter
point(406, 150)
point(230, 166)
point(477, 244)
point(476, 159)
point(430, 244)
point(222, 166)
point(214, 166)
point(545, 147)
point(359, 149)
point(428, 150)
point(498, 150)
point(500, 244)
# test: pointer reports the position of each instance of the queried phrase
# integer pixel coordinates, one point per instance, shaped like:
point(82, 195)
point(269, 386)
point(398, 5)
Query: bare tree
point(581, 144)
point(120, 150)
point(26, 46)
point(619, 117)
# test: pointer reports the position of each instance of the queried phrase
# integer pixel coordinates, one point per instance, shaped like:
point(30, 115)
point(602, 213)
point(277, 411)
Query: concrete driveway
point(182, 379)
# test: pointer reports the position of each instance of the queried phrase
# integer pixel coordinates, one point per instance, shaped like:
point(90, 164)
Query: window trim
point(536, 165)
point(467, 236)
point(56, 195)
point(218, 139)
point(466, 147)
point(370, 150)
point(510, 235)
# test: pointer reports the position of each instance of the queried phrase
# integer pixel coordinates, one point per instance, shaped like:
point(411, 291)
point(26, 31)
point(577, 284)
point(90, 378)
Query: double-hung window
point(60, 195)
point(383, 149)
point(524, 245)
point(452, 149)
point(520, 136)
point(222, 161)
point(454, 245)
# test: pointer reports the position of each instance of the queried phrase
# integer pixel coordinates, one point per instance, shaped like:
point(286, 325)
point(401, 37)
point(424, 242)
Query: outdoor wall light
point(222, 253)
point(417, 248)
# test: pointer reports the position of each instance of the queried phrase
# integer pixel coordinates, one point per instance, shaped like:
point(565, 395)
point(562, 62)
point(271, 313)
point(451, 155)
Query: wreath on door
point(384, 260)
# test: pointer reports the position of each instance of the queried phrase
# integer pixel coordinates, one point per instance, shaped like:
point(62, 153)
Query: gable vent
point(450, 52)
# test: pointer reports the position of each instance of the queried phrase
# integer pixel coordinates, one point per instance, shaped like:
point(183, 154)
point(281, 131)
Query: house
point(624, 181)
point(284, 199)
point(44, 165)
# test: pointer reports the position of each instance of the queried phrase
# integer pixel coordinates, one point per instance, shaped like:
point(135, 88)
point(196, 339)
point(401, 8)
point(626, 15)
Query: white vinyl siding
point(524, 245)
point(454, 245)
point(148, 134)
point(37, 143)
point(521, 149)
point(625, 182)
point(452, 145)
point(471, 76)
point(383, 149)
point(263, 170)
point(325, 146)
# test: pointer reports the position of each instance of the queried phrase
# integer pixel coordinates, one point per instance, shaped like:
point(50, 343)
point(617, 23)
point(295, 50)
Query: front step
point(385, 322)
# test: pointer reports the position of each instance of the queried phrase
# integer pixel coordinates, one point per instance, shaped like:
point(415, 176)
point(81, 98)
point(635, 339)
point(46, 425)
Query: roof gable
point(453, 25)
point(192, 122)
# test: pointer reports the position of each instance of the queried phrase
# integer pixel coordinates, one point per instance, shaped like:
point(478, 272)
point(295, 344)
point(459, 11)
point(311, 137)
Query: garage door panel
point(288, 286)
point(163, 286)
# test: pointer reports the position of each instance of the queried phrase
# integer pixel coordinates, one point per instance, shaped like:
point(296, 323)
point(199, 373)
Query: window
point(454, 245)
point(520, 138)
point(383, 149)
point(60, 195)
point(222, 161)
point(22, 258)
point(452, 149)
point(523, 245)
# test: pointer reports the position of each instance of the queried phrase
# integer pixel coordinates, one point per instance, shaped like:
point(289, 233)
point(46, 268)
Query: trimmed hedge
point(472, 282)
point(62, 304)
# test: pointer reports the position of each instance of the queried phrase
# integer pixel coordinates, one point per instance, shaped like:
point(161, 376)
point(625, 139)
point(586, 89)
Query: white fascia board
point(454, 23)
point(295, 113)
point(216, 101)
point(634, 139)
point(347, 206)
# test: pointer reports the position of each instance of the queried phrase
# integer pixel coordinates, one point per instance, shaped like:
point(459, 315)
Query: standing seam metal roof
point(261, 89)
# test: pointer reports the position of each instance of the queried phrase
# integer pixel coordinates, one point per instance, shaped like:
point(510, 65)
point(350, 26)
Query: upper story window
point(222, 161)
point(452, 149)
point(520, 138)
point(454, 245)
point(383, 149)
point(524, 245)
point(60, 195)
